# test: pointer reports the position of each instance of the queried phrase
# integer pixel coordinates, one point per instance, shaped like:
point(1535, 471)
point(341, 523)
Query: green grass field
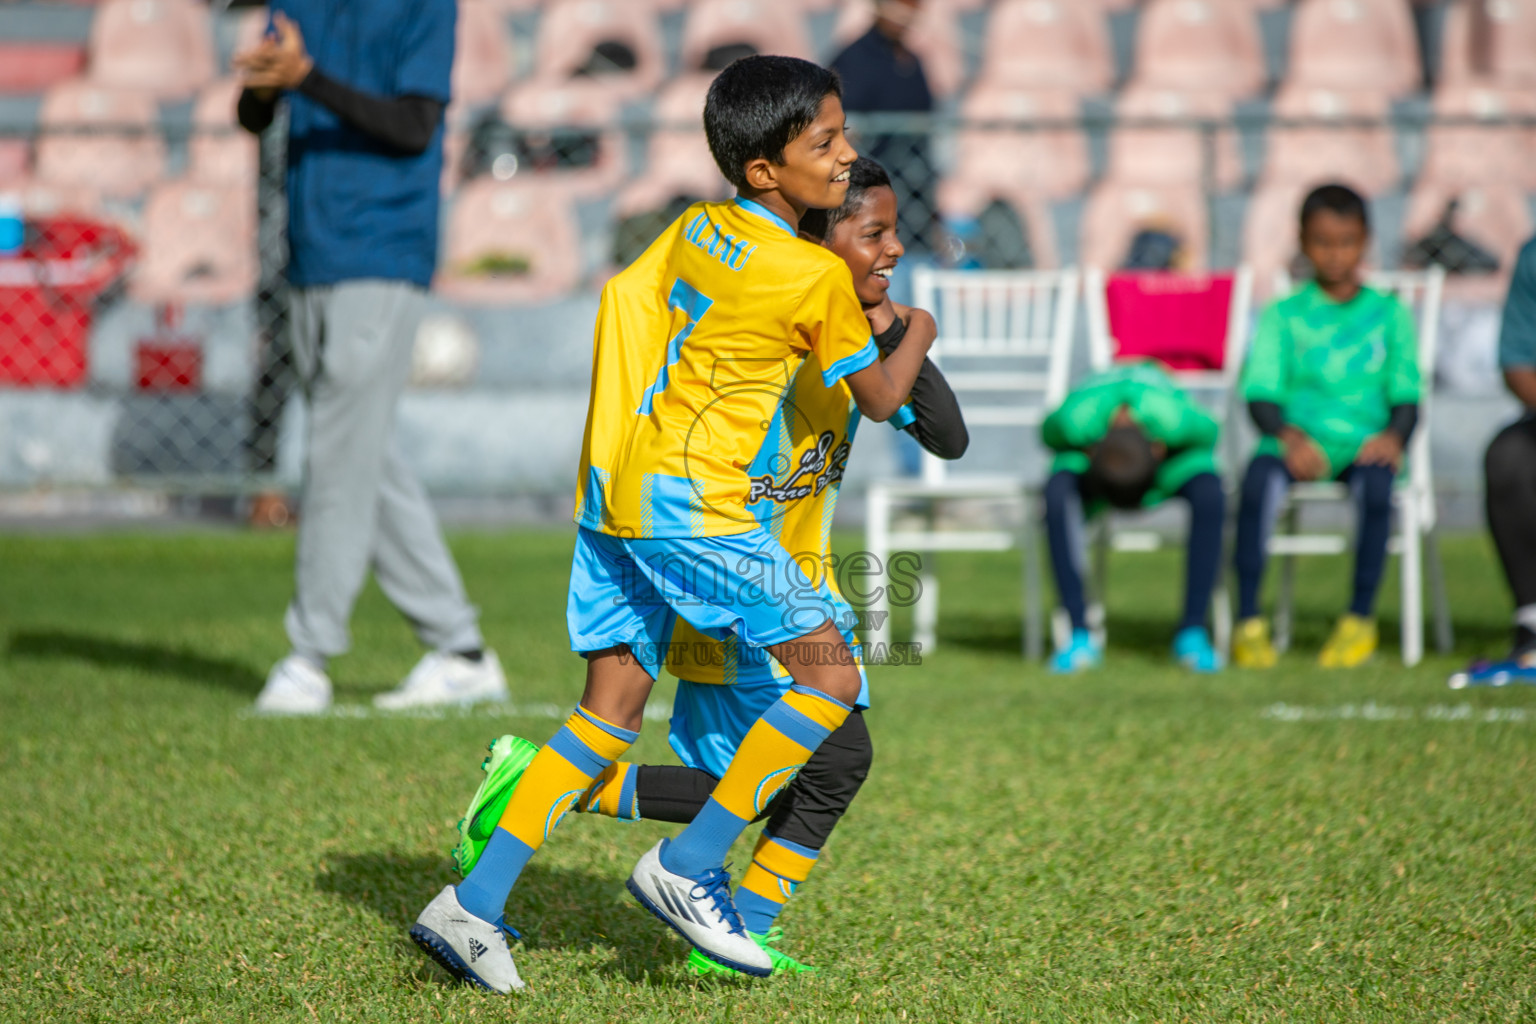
point(1135, 845)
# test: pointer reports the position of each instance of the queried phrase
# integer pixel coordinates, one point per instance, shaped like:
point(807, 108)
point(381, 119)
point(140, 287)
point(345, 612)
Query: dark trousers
point(804, 813)
point(1510, 470)
point(1064, 522)
point(1264, 487)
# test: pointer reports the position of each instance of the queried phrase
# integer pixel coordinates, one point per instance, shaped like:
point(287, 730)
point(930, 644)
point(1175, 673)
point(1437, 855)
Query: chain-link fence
point(143, 335)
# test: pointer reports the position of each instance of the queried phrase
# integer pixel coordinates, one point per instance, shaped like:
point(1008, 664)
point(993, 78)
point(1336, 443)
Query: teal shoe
point(1192, 649)
point(1080, 654)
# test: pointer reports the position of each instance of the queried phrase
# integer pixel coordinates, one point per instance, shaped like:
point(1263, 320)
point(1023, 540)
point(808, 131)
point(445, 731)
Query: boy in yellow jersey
point(696, 346)
point(726, 687)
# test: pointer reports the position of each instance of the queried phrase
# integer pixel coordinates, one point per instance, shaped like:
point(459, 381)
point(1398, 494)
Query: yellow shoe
point(1250, 645)
point(1352, 642)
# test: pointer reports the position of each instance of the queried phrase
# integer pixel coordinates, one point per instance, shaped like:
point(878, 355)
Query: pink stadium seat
point(1512, 50)
point(1494, 215)
point(587, 105)
point(164, 47)
point(678, 161)
point(761, 24)
point(220, 151)
point(1206, 45)
point(960, 198)
point(34, 66)
point(250, 26)
point(14, 157)
point(199, 245)
point(482, 59)
point(1117, 211)
point(570, 30)
point(1051, 163)
point(934, 37)
point(1048, 44)
point(527, 232)
point(1271, 231)
point(1355, 44)
point(1363, 156)
point(1480, 154)
point(121, 153)
point(1155, 155)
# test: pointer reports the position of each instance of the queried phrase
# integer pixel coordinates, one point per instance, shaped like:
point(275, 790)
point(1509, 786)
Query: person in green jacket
point(1128, 437)
point(1332, 382)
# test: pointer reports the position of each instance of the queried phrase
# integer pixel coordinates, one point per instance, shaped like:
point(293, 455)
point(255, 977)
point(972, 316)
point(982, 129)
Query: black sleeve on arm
point(1404, 418)
point(255, 113)
point(939, 426)
point(405, 122)
point(1267, 417)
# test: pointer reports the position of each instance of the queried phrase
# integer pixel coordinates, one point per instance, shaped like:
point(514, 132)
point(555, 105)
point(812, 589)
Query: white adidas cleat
point(441, 678)
point(472, 950)
point(295, 686)
point(700, 910)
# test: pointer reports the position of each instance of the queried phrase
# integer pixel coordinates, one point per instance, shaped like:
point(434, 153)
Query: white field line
point(1370, 711)
point(559, 712)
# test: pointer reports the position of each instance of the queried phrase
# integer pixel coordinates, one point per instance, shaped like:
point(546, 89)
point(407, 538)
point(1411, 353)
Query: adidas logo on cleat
point(477, 949)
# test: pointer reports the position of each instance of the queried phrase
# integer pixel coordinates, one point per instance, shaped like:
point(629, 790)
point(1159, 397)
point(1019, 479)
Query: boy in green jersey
point(1128, 437)
point(1332, 382)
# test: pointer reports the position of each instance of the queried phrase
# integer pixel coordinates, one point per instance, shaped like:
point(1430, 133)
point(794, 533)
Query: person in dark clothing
point(364, 157)
point(1509, 467)
point(882, 76)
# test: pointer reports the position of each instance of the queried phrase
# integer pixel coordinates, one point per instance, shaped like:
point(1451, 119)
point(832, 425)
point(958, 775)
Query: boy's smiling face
point(814, 174)
point(866, 241)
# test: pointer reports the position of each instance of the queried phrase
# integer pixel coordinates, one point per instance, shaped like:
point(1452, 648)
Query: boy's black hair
point(757, 105)
point(1339, 199)
point(1122, 468)
point(864, 175)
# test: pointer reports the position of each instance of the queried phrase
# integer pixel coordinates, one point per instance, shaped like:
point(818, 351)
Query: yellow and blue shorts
point(630, 592)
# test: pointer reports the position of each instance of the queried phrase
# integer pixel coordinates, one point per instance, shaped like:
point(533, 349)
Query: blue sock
point(485, 890)
point(698, 848)
point(757, 912)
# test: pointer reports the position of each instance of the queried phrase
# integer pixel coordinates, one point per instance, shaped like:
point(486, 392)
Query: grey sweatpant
point(360, 507)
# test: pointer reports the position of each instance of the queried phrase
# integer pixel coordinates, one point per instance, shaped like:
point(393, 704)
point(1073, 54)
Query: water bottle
point(12, 230)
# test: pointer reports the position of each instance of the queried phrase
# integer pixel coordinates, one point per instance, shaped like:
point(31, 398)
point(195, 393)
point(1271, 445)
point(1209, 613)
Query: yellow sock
point(560, 773)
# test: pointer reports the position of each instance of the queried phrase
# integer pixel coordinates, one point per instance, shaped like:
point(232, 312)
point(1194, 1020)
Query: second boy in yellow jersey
point(695, 348)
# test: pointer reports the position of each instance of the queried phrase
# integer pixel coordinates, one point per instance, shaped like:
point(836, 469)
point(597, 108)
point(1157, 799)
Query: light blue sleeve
point(1517, 337)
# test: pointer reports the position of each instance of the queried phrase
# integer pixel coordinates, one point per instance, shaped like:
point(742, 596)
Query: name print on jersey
point(825, 462)
point(728, 249)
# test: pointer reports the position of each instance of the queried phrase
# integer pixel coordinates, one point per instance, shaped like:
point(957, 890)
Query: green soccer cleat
point(510, 757)
point(783, 963)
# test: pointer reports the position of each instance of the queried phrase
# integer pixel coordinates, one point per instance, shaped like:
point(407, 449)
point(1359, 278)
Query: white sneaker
point(465, 946)
point(442, 678)
point(295, 686)
point(700, 910)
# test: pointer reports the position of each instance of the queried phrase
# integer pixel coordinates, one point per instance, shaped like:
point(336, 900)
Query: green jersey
point(1336, 369)
point(1158, 406)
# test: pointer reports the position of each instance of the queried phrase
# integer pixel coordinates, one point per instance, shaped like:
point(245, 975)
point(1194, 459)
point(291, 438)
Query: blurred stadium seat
point(717, 30)
point(605, 40)
point(99, 138)
point(164, 47)
point(15, 156)
point(1488, 153)
point(678, 161)
point(510, 242)
point(1050, 162)
point(198, 245)
point(1174, 154)
point(220, 152)
point(567, 133)
point(1359, 154)
point(1355, 44)
point(1207, 46)
point(1495, 216)
point(482, 59)
point(34, 66)
point(1511, 49)
point(1052, 44)
point(934, 37)
point(1270, 232)
point(1117, 211)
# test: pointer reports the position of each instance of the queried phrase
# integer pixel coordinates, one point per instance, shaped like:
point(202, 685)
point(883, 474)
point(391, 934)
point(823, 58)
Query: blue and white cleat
point(1080, 654)
point(1192, 648)
point(1496, 673)
point(472, 950)
point(700, 910)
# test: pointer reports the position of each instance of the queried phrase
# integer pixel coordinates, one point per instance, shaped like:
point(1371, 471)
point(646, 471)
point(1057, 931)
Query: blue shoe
point(1080, 654)
point(1497, 673)
point(1192, 649)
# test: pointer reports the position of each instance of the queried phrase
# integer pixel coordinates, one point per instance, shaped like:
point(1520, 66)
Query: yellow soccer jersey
point(696, 345)
point(794, 481)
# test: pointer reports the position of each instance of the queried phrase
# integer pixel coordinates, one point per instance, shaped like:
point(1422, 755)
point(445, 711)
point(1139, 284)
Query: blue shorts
point(631, 592)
